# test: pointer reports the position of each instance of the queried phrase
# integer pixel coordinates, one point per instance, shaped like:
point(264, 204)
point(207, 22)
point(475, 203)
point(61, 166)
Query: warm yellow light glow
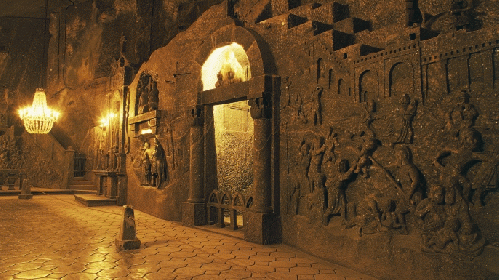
point(146, 131)
point(107, 119)
point(38, 118)
point(229, 58)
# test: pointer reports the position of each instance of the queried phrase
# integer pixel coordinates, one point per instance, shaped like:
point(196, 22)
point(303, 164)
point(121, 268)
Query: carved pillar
point(194, 210)
point(262, 188)
point(260, 221)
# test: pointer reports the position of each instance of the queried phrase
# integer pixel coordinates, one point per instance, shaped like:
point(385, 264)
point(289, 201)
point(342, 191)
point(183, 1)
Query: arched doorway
point(235, 77)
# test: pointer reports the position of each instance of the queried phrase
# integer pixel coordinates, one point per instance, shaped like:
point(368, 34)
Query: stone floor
point(54, 237)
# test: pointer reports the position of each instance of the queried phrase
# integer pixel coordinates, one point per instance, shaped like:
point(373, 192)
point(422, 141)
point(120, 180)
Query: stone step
point(82, 187)
point(92, 200)
point(80, 181)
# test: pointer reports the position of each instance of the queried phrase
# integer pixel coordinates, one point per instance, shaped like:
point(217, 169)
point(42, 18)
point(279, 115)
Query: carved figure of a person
point(457, 163)
point(408, 110)
point(369, 145)
point(330, 144)
point(304, 161)
point(159, 168)
point(439, 229)
point(230, 77)
point(314, 173)
point(462, 116)
point(146, 162)
point(153, 97)
point(408, 176)
point(143, 92)
point(316, 105)
point(220, 78)
point(336, 187)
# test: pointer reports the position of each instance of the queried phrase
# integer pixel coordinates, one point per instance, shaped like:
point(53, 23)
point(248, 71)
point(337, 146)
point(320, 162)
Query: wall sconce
point(105, 121)
point(38, 118)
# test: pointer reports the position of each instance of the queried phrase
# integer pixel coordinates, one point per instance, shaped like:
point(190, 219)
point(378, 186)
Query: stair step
point(82, 187)
point(81, 182)
point(94, 200)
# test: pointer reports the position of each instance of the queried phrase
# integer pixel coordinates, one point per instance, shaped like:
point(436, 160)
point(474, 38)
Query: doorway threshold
point(238, 233)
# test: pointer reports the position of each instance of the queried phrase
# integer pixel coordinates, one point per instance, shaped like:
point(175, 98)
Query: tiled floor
point(53, 237)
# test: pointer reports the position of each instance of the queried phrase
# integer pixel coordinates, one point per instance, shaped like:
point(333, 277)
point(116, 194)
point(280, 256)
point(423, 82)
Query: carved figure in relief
point(304, 163)
point(438, 228)
point(453, 164)
point(158, 164)
point(408, 111)
point(336, 187)
point(408, 176)
point(462, 116)
point(370, 109)
point(369, 145)
point(367, 216)
point(316, 105)
point(146, 162)
point(330, 144)
point(392, 214)
point(447, 224)
point(300, 111)
point(315, 173)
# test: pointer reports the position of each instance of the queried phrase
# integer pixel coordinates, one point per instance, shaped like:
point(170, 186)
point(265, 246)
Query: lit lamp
point(38, 118)
point(106, 121)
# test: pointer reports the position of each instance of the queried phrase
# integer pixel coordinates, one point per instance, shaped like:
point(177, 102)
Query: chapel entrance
point(233, 142)
point(234, 139)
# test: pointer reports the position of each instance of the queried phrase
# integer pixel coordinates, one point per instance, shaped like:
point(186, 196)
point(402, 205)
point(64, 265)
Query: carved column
point(262, 188)
point(260, 220)
point(194, 210)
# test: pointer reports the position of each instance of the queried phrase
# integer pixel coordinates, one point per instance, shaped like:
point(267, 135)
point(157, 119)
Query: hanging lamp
point(38, 118)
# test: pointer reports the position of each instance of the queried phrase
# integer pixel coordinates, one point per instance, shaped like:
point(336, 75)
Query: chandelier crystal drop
point(38, 118)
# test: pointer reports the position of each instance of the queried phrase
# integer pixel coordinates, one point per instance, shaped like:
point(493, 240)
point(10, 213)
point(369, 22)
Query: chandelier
point(38, 118)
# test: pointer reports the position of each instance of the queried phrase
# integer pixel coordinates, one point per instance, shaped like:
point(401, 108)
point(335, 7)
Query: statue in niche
point(316, 105)
point(408, 111)
point(159, 170)
point(146, 163)
point(336, 187)
point(228, 78)
point(220, 78)
point(143, 93)
point(115, 158)
point(153, 95)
